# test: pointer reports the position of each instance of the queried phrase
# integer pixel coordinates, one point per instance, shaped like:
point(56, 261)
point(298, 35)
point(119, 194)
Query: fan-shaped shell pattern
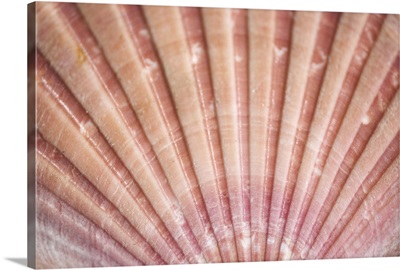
point(169, 135)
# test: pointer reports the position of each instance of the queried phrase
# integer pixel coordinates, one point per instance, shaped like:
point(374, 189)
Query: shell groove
point(169, 135)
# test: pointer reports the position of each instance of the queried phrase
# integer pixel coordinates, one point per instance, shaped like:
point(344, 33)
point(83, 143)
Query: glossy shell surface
point(167, 135)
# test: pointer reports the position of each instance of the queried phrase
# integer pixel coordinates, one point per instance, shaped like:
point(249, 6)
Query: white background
point(13, 212)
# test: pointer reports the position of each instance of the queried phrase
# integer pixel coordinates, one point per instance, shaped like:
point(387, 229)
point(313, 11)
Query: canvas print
point(183, 135)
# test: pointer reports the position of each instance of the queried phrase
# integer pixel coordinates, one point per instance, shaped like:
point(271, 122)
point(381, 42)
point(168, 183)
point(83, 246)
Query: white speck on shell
point(246, 243)
point(271, 241)
point(144, 33)
point(317, 171)
point(238, 58)
point(85, 126)
point(285, 251)
point(150, 65)
point(279, 52)
point(365, 120)
point(196, 52)
point(360, 57)
point(317, 66)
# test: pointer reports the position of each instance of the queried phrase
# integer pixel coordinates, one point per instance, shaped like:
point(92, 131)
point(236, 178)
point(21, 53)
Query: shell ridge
point(365, 188)
point(259, 35)
point(222, 55)
point(202, 99)
point(83, 189)
point(378, 116)
point(165, 189)
point(361, 141)
point(50, 209)
point(320, 158)
point(295, 92)
point(271, 164)
point(241, 223)
point(87, 14)
point(108, 156)
point(391, 176)
point(325, 35)
point(206, 241)
point(166, 123)
point(345, 132)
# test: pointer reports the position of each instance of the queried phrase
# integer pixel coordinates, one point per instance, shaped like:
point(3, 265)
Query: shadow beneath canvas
point(20, 261)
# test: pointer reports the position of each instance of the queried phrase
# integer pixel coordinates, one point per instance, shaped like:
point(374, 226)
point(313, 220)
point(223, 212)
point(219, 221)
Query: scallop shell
point(169, 135)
